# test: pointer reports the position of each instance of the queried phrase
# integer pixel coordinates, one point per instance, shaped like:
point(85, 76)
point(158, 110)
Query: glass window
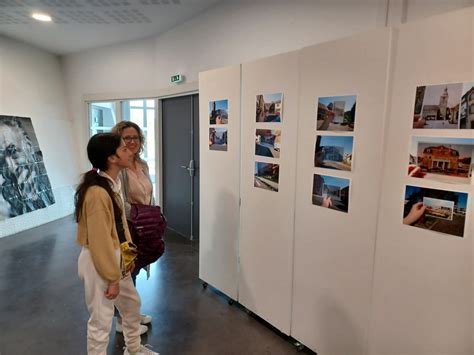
point(143, 113)
point(102, 117)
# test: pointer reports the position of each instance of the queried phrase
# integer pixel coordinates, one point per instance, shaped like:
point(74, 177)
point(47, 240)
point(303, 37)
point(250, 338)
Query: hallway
point(43, 311)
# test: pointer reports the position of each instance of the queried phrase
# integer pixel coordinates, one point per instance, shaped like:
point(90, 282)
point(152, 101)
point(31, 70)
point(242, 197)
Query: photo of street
point(336, 113)
point(266, 176)
point(442, 159)
point(218, 112)
point(437, 106)
point(333, 152)
point(441, 211)
point(269, 107)
point(331, 192)
point(218, 139)
point(437, 208)
point(267, 142)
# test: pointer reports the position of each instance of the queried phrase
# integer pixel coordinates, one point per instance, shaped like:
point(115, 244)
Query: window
point(102, 117)
point(143, 113)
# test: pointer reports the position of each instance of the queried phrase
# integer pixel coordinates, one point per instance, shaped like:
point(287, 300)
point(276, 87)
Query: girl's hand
point(112, 291)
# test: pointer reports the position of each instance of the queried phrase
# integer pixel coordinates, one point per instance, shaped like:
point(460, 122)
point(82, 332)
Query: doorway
point(180, 164)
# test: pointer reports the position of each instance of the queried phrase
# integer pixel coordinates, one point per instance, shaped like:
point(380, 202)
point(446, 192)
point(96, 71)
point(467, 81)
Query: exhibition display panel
point(337, 189)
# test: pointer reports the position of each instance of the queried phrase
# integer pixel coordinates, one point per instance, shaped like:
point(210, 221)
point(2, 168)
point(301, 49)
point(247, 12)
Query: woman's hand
point(417, 210)
point(112, 291)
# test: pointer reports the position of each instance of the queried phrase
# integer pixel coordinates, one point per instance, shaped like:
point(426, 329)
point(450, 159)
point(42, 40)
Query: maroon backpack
point(147, 227)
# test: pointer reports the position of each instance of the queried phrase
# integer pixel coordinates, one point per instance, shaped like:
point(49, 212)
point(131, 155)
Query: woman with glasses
point(137, 188)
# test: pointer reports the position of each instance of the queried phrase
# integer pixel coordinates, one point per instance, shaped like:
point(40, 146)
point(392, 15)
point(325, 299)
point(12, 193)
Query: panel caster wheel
point(248, 311)
point(299, 346)
point(230, 302)
point(204, 285)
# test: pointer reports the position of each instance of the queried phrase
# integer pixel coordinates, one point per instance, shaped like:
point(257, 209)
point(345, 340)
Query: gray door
point(180, 132)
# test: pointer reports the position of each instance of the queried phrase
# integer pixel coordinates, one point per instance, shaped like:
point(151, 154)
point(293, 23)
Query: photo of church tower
point(440, 106)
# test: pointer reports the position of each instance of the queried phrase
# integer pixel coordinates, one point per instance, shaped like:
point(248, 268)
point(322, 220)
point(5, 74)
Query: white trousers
point(101, 309)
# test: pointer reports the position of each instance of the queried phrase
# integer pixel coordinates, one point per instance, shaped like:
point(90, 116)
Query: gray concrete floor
point(42, 308)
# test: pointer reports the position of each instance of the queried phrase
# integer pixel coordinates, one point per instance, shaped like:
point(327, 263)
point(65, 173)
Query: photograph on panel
point(269, 107)
point(333, 152)
point(442, 159)
point(331, 192)
point(441, 211)
point(266, 176)
point(466, 120)
point(218, 112)
point(218, 139)
point(24, 183)
point(336, 113)
point(267, 142)
point(437, 106)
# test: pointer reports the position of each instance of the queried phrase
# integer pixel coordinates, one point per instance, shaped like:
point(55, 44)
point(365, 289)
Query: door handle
point(190, 168)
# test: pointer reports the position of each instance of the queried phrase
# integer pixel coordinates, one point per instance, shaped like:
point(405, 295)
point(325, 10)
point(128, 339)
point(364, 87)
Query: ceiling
point(86, 24)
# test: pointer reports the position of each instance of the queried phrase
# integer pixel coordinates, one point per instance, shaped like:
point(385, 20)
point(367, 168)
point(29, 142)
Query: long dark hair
point(100, 147)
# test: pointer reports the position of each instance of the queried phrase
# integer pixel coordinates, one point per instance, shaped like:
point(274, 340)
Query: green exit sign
point(177, 78)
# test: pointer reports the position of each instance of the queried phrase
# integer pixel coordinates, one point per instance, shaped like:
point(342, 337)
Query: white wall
point(31, 85)
point(230, 33)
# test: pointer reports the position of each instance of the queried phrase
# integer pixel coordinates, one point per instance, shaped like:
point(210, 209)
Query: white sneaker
point(144, 350)
point(119, 329)
point(145, 319)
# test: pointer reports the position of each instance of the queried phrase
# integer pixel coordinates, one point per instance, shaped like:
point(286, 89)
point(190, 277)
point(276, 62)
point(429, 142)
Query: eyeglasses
point(129, 139)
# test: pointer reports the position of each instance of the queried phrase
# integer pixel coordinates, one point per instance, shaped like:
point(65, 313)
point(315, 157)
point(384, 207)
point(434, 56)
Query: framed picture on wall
point(441, 211)
point(218, 112)
point(267, 142)
point(266, 176)
point(269, 108)
point(218, 139)
point(334, 152)
point(331, 192)
point(443, 159)
point(336, 113)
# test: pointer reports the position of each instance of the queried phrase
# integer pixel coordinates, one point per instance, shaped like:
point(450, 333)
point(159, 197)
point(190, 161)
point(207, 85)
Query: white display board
point(267, 217)
point(334, 250)
point(423, 285)
point(219, 181)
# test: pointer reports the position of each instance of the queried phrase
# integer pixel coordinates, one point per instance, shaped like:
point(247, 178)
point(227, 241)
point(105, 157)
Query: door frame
point(182, 89)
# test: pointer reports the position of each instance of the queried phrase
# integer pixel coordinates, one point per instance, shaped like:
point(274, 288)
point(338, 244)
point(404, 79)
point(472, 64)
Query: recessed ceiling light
point(42, 17)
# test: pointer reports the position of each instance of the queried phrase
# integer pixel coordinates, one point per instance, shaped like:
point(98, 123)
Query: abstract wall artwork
point(24, 183)
point(441, 158)
point(437, 210)
point(336, 113)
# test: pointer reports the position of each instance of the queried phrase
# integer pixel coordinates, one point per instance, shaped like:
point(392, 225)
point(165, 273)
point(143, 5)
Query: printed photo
point(331, 192)
point(267, 142)
point(437, 106)
point(218, 139)
point(24, 183)
point(333, 152)
point(467, 106)
point(336, 113)
point(266, 176)
point(442, 159)
point(269, 107)
point(218, 112)
point(437, 210)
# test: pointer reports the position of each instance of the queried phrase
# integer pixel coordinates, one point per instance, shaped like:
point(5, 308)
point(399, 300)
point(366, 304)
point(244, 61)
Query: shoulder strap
point(119, 224)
